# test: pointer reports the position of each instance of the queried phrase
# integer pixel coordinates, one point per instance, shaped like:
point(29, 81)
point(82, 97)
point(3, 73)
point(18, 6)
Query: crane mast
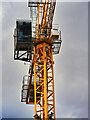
point(43, 80)
point(43, 61)
point(39, 86)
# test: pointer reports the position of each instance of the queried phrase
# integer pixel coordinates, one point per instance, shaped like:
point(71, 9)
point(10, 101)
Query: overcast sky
point(71, 65)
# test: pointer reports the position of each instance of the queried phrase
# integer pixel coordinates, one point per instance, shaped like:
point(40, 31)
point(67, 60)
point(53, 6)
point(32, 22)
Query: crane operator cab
point(23, 47)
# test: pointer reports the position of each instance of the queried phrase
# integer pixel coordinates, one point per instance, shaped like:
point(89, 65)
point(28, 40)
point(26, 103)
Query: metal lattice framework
point(45, 44)
point(44, 78)
point(42, 13)
point(42, 16)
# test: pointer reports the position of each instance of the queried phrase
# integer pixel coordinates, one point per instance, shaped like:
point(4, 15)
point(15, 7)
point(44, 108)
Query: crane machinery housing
point(36, 41)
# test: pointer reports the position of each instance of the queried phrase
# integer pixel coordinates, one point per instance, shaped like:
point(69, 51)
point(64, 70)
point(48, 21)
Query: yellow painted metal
point(40, 85)
point(44, 98)
point(45, 82)
point(38, 20)
point(46, 104)
point(53, 84)
point(35, 82)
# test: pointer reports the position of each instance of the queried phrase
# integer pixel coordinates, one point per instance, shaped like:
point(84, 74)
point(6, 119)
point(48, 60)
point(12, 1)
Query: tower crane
point(36, 41)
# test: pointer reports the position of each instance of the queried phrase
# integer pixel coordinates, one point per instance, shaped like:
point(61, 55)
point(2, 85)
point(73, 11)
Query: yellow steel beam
point(45, 82)
point(53, 83)
point(35, 82)
point(38, 20)
point(40, 85)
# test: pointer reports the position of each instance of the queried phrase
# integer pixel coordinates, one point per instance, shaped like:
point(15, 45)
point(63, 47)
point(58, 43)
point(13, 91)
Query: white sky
point(0, 60)
point(71, 65)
